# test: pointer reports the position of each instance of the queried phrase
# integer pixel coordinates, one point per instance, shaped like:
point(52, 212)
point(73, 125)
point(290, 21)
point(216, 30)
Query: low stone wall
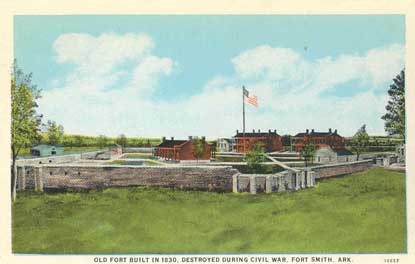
point(49, 160)
point(339, 169)
point(91, 177)
point(215, 178)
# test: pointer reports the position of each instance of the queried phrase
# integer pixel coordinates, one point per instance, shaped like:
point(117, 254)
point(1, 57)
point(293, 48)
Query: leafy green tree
point(360, 141)
point(308, 152)
point(78, 141)
point(122, 140)
point(25, 122)
point(55, 133)
point(395, 115)
point(198, 148)
point(102, 141)
point(148, 144)
point(255, 157)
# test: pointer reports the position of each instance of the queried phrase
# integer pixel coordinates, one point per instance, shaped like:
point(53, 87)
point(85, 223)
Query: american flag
point(252, 99)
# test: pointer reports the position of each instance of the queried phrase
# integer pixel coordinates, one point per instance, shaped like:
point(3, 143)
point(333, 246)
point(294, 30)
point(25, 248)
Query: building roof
point(45, 147)
point(256, 134)
point(171, 143)
point(344, 152)
point(317, 134)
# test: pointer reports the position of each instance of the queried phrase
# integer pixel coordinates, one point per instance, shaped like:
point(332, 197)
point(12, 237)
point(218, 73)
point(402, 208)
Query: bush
point(254, 158)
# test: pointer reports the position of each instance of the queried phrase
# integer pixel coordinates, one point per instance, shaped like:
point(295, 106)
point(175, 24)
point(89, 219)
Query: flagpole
point(243, 117)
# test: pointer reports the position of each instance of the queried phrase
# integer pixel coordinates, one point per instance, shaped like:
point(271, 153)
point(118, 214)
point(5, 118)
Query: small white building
point(224, 145)
point(325, 155)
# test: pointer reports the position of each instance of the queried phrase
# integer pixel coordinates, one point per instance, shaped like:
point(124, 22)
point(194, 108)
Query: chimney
point(172, 138)
point(163, 139)
point(237, 131)
point(269, 130)
point(190, 137)
point(253, 130)
point(306, 131)
point(312, 130)
point(275, 131)
point(329, 130)
point(335, 131)
point(203, 138)
point(259, 130)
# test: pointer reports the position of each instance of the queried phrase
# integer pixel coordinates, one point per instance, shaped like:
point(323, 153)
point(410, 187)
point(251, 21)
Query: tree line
point(101, 141)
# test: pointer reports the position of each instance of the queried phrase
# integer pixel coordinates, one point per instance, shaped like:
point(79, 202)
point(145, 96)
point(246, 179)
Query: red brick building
point(320, 139)
point(244, 142)
point(181, 150)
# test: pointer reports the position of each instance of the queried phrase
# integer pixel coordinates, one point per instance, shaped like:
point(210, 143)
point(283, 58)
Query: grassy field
point(148, 162)
point(364, 212)
point(138, 156)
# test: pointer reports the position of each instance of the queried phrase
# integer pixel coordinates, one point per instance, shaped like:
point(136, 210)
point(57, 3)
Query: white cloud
point(112, 100)
point(146, 73)
point(99, 55)
point(266, 62)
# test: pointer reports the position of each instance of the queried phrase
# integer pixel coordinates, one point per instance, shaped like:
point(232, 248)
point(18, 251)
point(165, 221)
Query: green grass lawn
point(147, 162)
point(364, 212)
point(138, 156)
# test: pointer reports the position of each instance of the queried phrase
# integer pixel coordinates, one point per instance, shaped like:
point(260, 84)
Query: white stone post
point(39, 180)
point(297, 180)
point(282, 180)
point(313, 178)
point(235, 186)
point(252, 184)
point(268, 184)
point(288, 178)
point(22, 178)
point(302, 183)
point(386, 161)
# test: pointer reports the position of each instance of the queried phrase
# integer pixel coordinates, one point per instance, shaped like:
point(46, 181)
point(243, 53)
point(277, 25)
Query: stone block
point(252, 185)
point(268, 183)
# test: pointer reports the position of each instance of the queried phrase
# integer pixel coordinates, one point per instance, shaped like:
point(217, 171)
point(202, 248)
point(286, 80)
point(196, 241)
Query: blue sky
point(181, 75)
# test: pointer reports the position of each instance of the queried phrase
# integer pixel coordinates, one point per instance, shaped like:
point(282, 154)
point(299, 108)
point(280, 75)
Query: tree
point(198, 148)
point(360, 141)
point(55, 133)
point(25, 122)
point(148, 144)
point(79, 141)
point(102, 141)
point(308, 152)
point(255, 157)
point(395, 115)
point(122, 140)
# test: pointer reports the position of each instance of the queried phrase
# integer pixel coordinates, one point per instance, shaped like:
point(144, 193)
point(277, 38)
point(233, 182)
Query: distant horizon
point(180, 75)
point(211, 138)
